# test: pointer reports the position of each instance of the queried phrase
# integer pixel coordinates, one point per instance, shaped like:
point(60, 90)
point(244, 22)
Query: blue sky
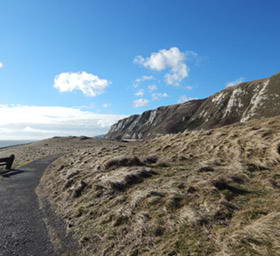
point(80, 58)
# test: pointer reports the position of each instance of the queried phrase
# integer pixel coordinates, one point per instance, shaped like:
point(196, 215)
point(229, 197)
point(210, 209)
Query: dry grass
point(194, 193)
point(58, 145)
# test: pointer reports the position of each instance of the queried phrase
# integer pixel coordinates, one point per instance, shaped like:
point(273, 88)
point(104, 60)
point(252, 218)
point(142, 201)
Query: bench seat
point(8, 161)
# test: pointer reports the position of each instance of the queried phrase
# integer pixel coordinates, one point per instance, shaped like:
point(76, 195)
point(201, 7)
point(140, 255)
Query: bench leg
point(10, 162)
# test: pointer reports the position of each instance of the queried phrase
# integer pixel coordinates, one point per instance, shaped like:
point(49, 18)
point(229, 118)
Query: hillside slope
point(239, 103)
point(204, 193)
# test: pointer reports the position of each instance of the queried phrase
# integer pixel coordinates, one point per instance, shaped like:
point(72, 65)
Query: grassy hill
point(211, 192)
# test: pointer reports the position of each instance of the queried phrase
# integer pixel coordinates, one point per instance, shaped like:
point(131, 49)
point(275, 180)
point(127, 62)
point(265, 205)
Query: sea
point(8, 143)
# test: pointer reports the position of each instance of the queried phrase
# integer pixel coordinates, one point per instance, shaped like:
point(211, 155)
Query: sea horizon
point(8, 143)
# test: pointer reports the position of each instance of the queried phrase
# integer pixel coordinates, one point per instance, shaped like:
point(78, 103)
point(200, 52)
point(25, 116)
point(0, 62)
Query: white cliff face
point(133, 124)
point(119, 126)
point(236, 104)
point(257, 101)
point(152, 117)
point(218, 98)
point(115, 127)
point(122, 125)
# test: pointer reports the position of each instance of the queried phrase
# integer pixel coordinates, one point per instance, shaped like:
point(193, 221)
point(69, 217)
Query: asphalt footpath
point(22, 229)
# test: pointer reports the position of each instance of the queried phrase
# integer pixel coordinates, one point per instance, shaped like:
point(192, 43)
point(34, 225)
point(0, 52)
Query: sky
point(72, 67)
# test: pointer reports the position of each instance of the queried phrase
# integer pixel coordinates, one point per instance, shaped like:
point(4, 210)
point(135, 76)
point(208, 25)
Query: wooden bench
point(8, 161)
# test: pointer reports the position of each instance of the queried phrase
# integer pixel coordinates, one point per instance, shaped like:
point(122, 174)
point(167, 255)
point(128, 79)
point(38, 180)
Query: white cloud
point(106, 105)
point(140, 103)
point(236, 82)
point(38, 122)
point(172, 59)
point(188, 87)
point(142, 79)
point(140, 93)
point(1, 65)
point(157, 96)
point(152, 87)
point(184, 98)
point(89, 84)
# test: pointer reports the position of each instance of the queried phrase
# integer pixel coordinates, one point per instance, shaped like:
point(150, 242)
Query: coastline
point(17, 145)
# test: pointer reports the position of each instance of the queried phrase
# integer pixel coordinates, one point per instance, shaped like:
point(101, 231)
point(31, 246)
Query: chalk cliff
point(246, 101)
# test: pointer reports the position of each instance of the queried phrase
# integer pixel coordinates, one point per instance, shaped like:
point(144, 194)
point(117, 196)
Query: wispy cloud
point(106, 105)
point(89, 84)
point(152, 87)
point(188, 87)
point(89, 106)
point(137, 81)
point(191, 54)
point(172, 59)
point(38, 122)
point(1, 65)
point(195, 58)
point(184, 98)
point(140, 93)
point(236, 82)
point(140, 103)
point(157, 96)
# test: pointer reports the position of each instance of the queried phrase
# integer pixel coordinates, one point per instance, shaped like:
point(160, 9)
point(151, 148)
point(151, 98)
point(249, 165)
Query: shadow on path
point(9, 173)
point(22, 229)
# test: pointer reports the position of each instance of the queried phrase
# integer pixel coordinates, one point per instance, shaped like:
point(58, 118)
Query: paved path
point(22, 229)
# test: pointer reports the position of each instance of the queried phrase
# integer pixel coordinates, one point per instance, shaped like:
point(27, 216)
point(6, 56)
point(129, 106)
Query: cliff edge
point(240, 103)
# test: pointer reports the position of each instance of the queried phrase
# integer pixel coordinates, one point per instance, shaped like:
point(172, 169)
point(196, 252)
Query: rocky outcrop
point(246, 101)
